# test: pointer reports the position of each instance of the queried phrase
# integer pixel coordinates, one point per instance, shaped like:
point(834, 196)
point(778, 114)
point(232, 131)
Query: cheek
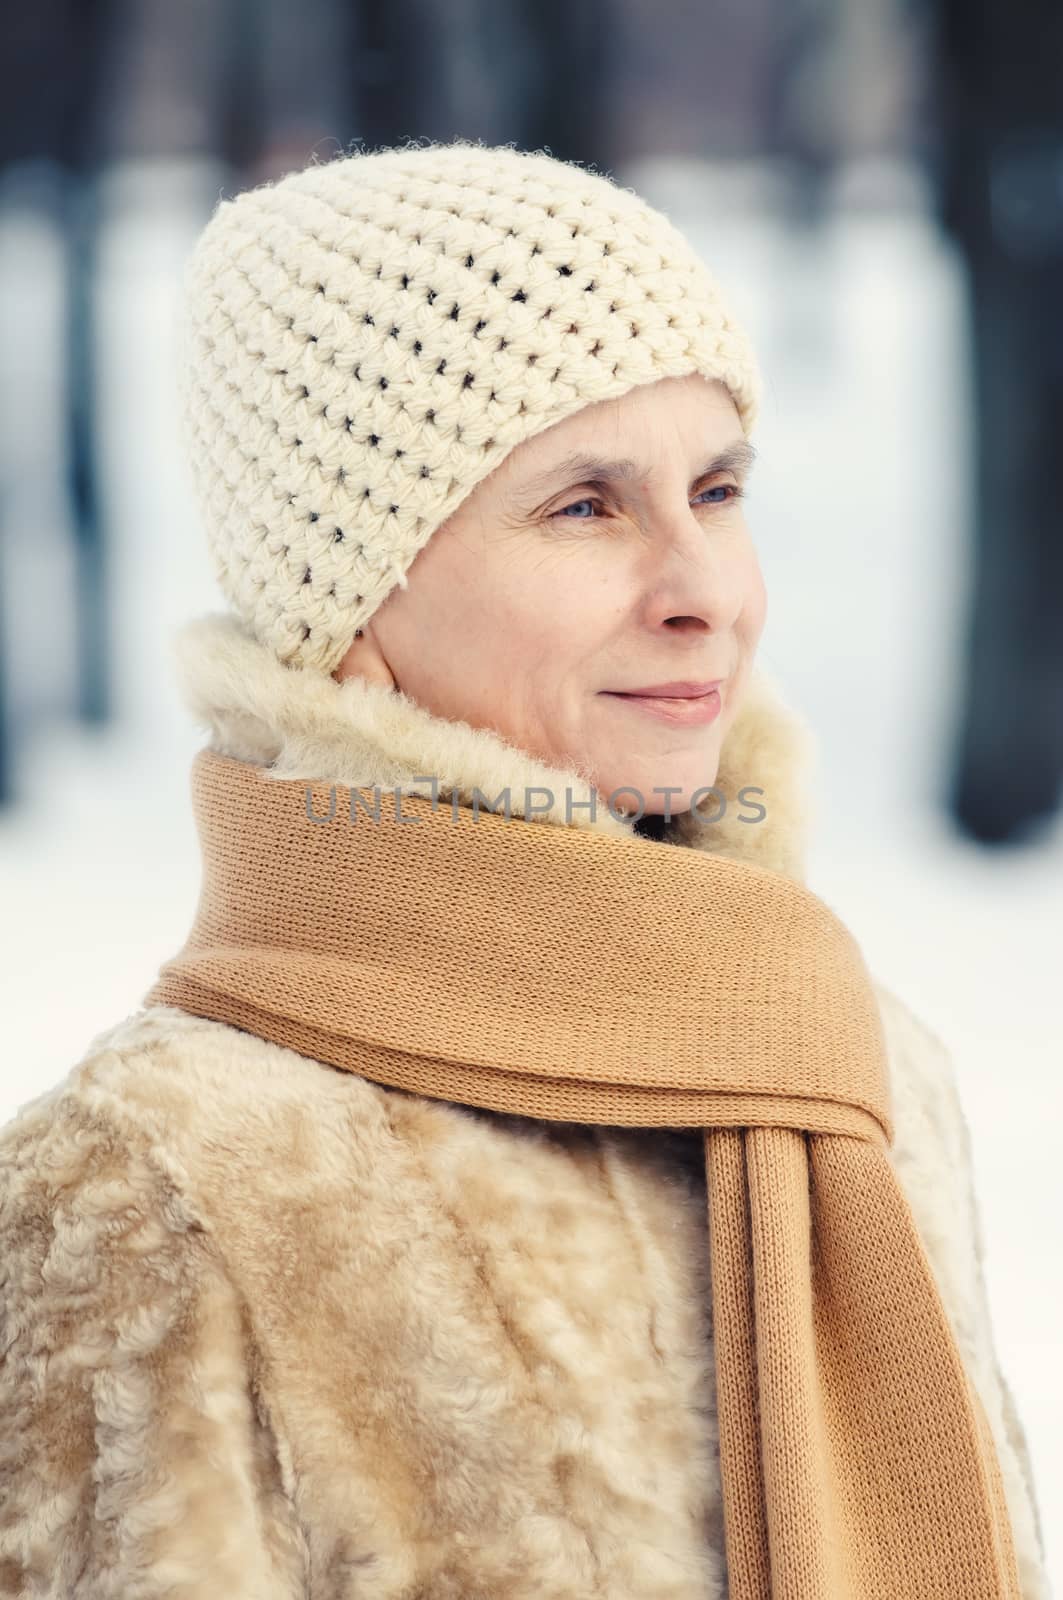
point(556, 610)
point(755, 608)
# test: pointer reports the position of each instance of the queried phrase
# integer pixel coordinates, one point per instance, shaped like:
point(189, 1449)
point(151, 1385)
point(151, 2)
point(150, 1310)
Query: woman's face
point(558, 586)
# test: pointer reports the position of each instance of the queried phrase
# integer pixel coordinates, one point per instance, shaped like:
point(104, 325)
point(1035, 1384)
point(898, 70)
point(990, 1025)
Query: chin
point(646, 784)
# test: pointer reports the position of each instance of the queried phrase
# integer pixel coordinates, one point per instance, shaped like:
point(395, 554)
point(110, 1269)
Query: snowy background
point(859, 505)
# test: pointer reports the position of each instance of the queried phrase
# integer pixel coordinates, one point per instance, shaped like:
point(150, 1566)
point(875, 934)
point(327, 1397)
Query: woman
point(489, 1200)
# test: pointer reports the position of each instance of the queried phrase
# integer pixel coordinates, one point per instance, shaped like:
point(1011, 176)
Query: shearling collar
point(303, 724)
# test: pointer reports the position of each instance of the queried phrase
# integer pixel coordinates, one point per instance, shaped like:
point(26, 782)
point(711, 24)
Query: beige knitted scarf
point(562, 973)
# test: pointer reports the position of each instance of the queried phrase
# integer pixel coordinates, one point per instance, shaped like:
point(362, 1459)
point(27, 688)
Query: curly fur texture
point(270, 1330)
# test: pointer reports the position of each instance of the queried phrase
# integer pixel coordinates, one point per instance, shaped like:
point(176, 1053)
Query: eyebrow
point(737, 457)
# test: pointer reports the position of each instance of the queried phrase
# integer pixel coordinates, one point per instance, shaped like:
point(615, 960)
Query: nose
point(703, 580)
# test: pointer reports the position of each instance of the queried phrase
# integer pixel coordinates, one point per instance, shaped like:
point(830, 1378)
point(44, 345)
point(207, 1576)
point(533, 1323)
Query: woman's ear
point(364, 659)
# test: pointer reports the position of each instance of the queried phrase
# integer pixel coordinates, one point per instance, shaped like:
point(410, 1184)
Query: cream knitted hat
point(366, 339)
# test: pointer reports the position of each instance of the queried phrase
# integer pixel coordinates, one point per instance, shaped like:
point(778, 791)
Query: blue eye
point(574, 506)
point(730, 491)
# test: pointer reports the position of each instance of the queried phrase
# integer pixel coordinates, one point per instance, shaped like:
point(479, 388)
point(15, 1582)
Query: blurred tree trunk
point(51, 94)
point(1000, 159)
point(534, 72)
point(90, 30)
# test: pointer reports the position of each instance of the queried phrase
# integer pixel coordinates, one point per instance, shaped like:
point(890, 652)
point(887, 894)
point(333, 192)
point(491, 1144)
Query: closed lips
point(671, 691)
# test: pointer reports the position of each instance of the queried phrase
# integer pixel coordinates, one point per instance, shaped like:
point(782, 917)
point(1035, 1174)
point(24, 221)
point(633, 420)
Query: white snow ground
point(859, 503)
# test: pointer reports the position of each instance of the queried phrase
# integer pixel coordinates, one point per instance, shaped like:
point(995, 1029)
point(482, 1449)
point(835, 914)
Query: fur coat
point(270, 1330)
